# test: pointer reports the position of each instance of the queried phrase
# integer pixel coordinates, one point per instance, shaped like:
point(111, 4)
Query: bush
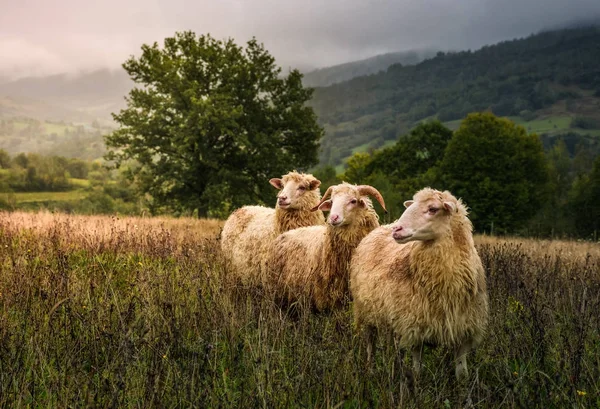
point(585, 122)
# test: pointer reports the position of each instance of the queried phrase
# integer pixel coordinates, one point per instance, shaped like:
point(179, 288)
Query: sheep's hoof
point(410, 380)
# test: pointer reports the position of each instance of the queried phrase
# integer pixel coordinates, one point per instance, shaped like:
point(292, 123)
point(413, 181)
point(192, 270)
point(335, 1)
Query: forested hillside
point(551, 75)
point(344, 72)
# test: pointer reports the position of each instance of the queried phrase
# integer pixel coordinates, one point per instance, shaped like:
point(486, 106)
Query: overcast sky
point(39, 37)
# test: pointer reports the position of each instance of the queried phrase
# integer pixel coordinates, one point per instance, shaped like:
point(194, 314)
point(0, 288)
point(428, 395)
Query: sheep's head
point(427, 217)
point(347, 202)
point(296, 191)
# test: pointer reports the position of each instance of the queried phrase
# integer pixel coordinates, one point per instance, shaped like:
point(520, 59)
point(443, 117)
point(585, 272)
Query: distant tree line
point(105, 191)
point(516, 77)
point(510, 183)
point(36, 173)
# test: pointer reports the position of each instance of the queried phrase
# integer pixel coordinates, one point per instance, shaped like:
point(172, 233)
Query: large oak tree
point(210, 122)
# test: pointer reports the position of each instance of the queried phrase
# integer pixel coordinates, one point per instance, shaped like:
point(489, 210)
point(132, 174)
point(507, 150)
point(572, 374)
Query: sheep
point(249, 231)
point(313, 261)
point(422, 278)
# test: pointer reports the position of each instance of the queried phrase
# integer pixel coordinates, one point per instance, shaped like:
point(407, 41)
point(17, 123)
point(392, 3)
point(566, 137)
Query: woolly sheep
point(422, 278)
point(313, 261)
point(249, 231)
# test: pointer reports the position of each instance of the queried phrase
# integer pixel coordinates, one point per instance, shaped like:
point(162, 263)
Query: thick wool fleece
point(313, 261)
point(427, 292)
point(249, 232)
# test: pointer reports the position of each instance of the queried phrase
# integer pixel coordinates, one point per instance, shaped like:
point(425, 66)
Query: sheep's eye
point(301, 188)
point(353, 201)
point(433, 210)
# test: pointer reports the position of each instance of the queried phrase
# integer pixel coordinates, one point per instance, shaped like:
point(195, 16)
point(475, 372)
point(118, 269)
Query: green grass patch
point(361, 148)
point(388, 144)
point(546, 125)
point(79, 182)
point(341, 168)
point(56, 128)
point(453, 125)
point(28, 197)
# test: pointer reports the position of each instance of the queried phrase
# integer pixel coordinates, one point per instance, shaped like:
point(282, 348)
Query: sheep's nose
point(283, 197)
point(334, 219)
point(398, 228)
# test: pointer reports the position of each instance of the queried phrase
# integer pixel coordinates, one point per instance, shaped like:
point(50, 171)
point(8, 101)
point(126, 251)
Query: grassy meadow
point(141, 312)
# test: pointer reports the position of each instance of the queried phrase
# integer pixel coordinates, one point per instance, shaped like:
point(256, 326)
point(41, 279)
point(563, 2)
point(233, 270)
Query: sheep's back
point(246, 239)
point(294, 256)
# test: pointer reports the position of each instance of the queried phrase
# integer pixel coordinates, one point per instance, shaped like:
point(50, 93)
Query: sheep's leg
point(460, 357)
point(370, 337)
point(416, 359)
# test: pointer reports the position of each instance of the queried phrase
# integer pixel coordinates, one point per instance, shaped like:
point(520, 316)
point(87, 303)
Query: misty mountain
point(86, 87)
point(343, 72)
point(553, 73)
point(85, 97)
point(81, 97)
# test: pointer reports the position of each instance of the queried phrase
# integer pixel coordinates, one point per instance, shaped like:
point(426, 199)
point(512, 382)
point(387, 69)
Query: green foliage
point(413, 154)
point(357, 167)
point(585, 122)
point(400, 170)
point(4, 159)
point(519, 77)
point(35, 182)
point(327, 175)
point(498, 169)
point(210, 122)
point(586, 202)
point(343, 72)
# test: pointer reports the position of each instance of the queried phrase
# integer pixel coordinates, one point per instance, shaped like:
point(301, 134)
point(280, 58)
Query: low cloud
point(39, 37)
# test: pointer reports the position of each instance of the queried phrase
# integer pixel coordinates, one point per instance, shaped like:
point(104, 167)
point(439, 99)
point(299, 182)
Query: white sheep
point(249, 231)
point(422, 278)
point(313, 261)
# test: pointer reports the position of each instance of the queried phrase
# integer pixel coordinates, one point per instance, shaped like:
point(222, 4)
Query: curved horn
point(371, 191)
point(327, 193)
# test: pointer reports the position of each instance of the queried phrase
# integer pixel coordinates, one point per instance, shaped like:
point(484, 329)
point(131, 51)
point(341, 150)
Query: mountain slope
point(519, 78)
point(343, 72)
point(68, 97)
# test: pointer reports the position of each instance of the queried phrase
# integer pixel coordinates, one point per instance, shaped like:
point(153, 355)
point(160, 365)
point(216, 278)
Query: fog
point(40, 37)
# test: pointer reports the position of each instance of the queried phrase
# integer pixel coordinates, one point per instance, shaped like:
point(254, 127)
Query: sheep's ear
point(277, 183)
point(325, 206)
point(314, 184)
point(408, 203)
point(451, 207)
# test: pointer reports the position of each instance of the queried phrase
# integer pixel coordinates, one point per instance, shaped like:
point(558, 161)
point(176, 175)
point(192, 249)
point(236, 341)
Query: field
point(549, 125)
point(79, 192)
point(141, 312)
point(29, 197)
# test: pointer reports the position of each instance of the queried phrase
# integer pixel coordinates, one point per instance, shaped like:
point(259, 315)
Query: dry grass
point(570, 249)
point(133, 234)
point(137, 312)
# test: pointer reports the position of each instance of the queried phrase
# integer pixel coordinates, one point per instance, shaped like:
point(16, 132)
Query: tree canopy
point(498, 169)
point(400, 170)
point(586, 202)
point(210, 122)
